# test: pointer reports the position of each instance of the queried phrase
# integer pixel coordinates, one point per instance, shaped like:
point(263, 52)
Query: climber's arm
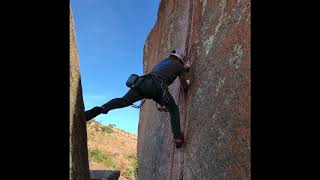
point(183, 80)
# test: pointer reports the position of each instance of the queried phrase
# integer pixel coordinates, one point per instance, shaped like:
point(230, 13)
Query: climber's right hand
point(187, 67)
point(186, 86)
point(184, 82)
point(188, 82)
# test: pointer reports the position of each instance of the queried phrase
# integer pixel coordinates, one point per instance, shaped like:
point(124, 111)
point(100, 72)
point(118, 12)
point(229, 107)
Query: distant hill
point(111, 148)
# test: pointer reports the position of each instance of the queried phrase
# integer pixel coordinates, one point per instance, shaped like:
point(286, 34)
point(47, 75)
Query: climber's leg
point(173, 109)
point(90, 114)
point(128, 99)
point(131, 97)
point(175, 120)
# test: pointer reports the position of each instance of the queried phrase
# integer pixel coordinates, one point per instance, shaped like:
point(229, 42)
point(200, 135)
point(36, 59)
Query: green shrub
point(97, 156)
point(132, 171)
point(108, 129)
point(128, 173)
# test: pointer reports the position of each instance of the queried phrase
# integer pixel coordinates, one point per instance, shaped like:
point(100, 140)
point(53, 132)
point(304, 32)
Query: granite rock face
point(215, 112)
point(79, 164)
point(104, 174)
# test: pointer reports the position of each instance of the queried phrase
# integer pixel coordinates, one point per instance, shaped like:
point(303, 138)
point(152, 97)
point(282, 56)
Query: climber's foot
point(90, 114)
point(179, 141)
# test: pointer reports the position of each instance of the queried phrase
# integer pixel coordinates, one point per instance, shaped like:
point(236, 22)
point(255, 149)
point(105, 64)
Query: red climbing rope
point(172, 158)
point(185, 113)
point(184, 135)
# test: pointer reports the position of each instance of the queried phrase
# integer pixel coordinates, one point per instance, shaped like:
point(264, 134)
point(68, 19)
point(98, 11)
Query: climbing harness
point(164, 97)
point(133, 82)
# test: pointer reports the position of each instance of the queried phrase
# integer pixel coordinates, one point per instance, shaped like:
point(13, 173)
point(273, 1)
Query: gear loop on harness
point(164, 98)
point(135, 85)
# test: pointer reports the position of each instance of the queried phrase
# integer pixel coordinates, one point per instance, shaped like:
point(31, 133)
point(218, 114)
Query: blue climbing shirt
point(168, 70)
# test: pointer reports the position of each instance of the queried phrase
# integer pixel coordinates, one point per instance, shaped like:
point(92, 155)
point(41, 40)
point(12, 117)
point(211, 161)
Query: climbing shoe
point(90, 114)
point(179, 141)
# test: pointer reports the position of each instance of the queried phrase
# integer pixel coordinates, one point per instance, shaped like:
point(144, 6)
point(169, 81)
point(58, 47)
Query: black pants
point(150, 88)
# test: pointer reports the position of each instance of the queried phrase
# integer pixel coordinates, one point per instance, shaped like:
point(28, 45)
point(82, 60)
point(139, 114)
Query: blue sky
point(110, 39)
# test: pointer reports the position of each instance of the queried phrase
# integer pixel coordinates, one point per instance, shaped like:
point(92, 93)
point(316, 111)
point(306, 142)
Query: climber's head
point(178, 53)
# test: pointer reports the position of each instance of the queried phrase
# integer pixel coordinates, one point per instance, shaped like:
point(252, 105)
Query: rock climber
point(154, 85)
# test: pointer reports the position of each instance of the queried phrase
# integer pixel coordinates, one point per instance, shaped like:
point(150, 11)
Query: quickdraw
point(165, 98)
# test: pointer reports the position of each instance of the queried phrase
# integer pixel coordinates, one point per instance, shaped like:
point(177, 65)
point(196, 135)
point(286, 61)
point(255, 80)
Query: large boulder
point(215, 113)
point(105, 174)
point(79, 165)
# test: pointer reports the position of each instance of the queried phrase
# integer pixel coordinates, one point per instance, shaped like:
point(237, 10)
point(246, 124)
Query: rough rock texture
point(215, 113)
point(104, 175)
point(79, 165)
